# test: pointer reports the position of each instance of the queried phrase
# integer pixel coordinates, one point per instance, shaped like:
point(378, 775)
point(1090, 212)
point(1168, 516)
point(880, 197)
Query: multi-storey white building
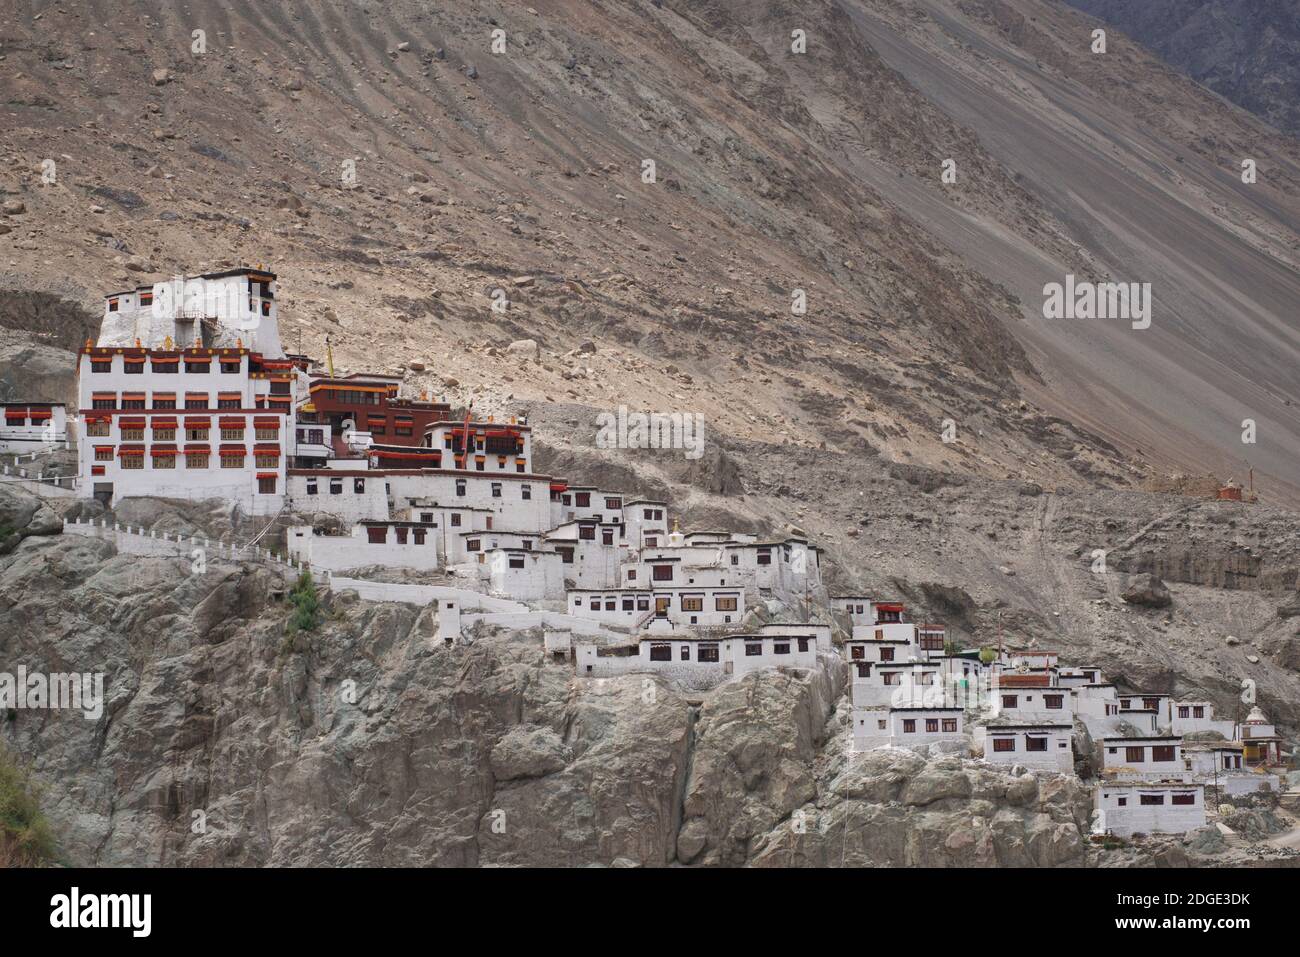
point(1159, 756)
point(907, 727)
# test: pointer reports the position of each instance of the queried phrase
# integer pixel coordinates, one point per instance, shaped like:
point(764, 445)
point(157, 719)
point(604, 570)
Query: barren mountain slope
point(522, 170)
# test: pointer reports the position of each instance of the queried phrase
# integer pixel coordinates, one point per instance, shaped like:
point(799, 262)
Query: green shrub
point(26, 839)
point(306, 604)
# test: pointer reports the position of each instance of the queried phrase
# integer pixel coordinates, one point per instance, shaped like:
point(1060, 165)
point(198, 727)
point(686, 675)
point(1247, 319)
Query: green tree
point(306, 604)
point(26, 839)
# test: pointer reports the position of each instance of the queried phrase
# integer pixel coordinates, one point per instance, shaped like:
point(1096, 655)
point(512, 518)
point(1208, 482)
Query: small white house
point(1195, 717)
point(907, 727)
point(1046, 746)
point(1148, 702)
point(28, 427)
point(1159, 756)
point(1126, 808)
point(391, 544)
point(696, 659)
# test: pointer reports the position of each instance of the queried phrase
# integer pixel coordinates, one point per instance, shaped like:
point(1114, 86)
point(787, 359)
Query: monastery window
point(161, 434)
point(707, 653)
point(1198, 711)
point(931, 725)
point(100, 427)
point(1135, 755)
point(1184, 711)
point(526, 492)
point(164, 461)
point(196, 460)
point(753, 649)
point(950, 725)
point(725, 603)
point(195, 366)
point(104, 402)
point(132, 462)
point(611, 604)
point(358, 486)
point(101, 365)
point(418, 535)
point(1184, 799)
point(266, 434)
point(1054, 701)
point(264, 460)
point(627, 604)
point(133, 435)
point(266, 484)
point(228, 402)
point(659, 514)
point(661, 652)
point(652, 542)
point(909, 726)
point(161, 401)
point(1004, 744)
point(566, 555)
point(479, 465)
point(643, 604)
point(336, 486)
point(587, 533)
point(311, 486)
point(196, 435)
point(460, 490)
point(496, 489)
point(781, 648)
point(279, 388)
point(1151, 799)
point(402, 428)
point(663, 573)
point(803, 644)
point(196, 401)
point(607, 536)
point(1010, 701)
point(880, 634)
point(889, 677)
point(1035, 743)
point(232, 435)
point(886, 654)
point(401, 535)
point(103, 453)
point(1162, 752)
point(692, 604)
point(686, 653)
point(231, 367)
point(857, 652)
point(133, 366)
point(112, 305)
point(232, 460)
point(1121, 802)
point(631, 574)
point(613, 503)
point(1150, 704)
point(455, 519)
point(133, 403)
point(377, 428)
point(165, 367)
point(647, 514)
point(582, 499)
point(765, 556)
point(519, 465)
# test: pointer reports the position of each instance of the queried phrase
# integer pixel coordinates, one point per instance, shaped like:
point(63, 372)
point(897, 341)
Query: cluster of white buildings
point(1023, 708)
point(188, 394)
